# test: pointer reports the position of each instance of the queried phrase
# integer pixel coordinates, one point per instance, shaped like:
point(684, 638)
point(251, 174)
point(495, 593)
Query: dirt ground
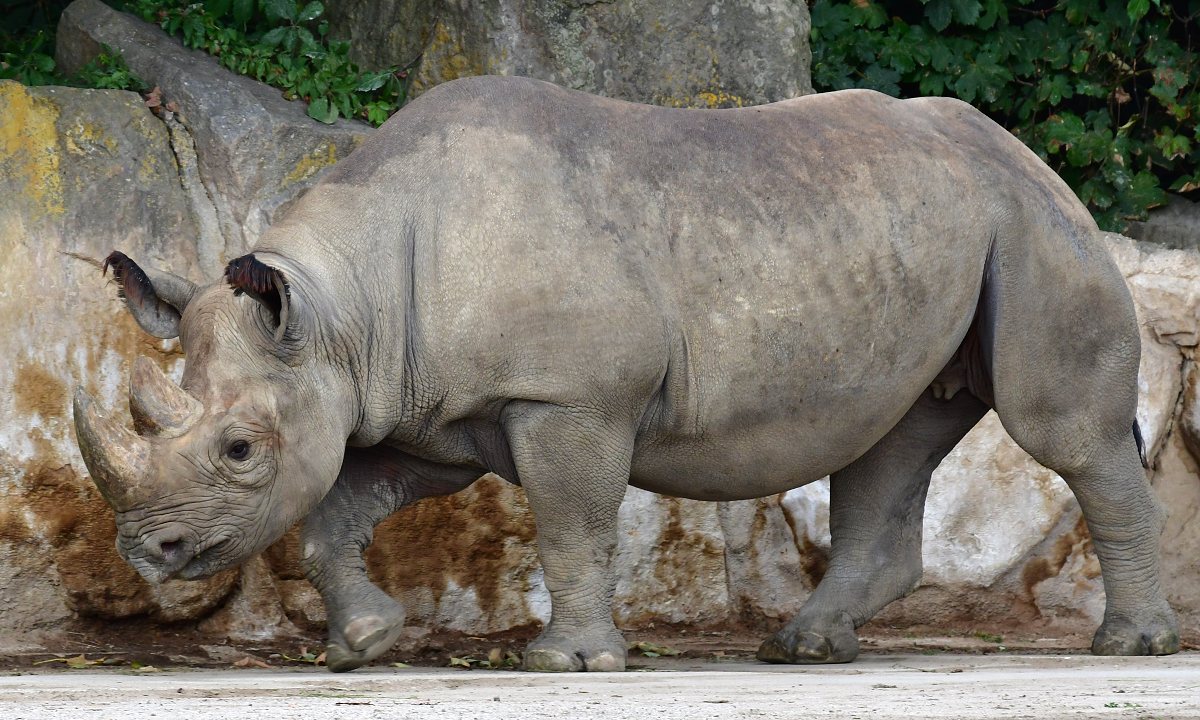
point(673, 674)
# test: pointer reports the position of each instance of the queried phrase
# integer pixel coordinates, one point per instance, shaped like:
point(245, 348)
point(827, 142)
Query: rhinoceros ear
point(266, 285)
point(155, 299)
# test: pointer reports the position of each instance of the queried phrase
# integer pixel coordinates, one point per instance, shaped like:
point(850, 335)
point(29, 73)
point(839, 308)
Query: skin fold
point(579, 294)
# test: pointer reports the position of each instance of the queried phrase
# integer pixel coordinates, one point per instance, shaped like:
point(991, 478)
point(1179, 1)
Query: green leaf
point(966, 11)
point(280, 9)
point(1137, 9)
point(321, 109)
point(310, 12)
point(939, 13)
point(373, 81)
point(275, 36)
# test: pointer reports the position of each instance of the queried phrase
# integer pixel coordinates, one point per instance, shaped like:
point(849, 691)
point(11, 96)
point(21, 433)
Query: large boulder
point(681, 53)
point(256, 152)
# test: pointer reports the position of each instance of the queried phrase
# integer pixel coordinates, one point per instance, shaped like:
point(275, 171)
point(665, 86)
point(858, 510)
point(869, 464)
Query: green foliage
point(27, 50)
point(28, 58)
point(284, 43)
point(107, 72)
point(1107, 93)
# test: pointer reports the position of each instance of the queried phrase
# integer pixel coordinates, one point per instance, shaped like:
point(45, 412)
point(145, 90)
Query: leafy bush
point(1107, 93)
point(28, 60)
point(27, 50)
point(283, 43)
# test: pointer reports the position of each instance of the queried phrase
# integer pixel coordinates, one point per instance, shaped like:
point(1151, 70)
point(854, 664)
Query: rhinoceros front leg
point(876, 506)
point(574, 466)
point(363, 620)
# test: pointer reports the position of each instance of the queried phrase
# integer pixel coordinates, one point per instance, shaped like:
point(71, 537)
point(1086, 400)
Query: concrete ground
point(875, 687)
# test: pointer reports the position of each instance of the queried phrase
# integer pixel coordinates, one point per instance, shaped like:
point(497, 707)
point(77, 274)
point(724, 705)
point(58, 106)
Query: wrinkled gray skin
point(578, 294)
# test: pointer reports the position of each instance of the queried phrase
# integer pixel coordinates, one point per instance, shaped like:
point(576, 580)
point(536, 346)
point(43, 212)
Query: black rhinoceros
point(578, 293)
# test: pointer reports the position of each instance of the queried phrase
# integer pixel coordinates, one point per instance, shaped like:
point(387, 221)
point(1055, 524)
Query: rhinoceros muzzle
point(120, 461)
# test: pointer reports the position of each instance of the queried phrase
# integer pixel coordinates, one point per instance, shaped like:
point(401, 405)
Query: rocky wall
point(680, 53)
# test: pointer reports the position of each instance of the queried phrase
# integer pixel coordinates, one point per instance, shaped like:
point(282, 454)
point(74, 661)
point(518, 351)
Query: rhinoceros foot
point(363, 638)
point(593, 651)
point(801, 643)
point(1154, 633)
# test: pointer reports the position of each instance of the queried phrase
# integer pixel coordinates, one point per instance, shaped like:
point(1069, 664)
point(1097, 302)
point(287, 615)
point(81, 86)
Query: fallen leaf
point(249, 661)
point(651, 650)
point(75, 663)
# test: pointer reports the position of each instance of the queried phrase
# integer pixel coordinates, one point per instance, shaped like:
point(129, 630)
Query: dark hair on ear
point(247, 275)
point(132, 282)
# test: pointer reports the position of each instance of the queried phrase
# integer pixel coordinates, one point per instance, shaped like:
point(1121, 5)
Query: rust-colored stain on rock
point(464, 538)
point(1051, 564)
point(679, 547)
point(38, 392)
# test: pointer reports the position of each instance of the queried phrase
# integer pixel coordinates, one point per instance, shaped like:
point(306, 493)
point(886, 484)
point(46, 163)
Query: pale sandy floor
point(872, 688)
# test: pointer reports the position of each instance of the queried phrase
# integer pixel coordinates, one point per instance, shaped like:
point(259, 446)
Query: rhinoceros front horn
point(117, 458)
point(159, 406)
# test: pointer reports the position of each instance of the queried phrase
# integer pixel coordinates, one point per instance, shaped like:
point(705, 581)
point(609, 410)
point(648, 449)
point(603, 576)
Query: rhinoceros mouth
point(207, 561)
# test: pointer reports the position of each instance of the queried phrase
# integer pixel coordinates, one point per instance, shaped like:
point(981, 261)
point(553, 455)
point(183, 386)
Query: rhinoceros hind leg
point(875, 510)
point(1065, 371)
point(574, 466)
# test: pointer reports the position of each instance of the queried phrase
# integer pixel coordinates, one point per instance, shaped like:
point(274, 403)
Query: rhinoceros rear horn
point(116, 458)
point(160, 407)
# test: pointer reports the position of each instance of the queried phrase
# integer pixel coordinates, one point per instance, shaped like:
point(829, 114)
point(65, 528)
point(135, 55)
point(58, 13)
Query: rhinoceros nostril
point(171, 551)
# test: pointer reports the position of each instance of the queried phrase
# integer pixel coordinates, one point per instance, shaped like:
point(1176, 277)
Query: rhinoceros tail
point(1141, 444)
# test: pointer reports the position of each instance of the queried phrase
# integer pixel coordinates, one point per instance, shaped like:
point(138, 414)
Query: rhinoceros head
point(220, 467)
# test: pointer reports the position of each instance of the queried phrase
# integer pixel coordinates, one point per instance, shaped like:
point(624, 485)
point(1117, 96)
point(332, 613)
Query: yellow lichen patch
point(84, 138)
point(719, 99)
point(447, 54)
point(309, 164)
point(29, 155)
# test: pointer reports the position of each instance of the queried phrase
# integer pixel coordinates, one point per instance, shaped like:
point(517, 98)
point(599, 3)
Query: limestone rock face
point(81, 171)
point(255, 152)
point(680, 53)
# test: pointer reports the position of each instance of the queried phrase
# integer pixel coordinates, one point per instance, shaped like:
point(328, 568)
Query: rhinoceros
point(579, 294)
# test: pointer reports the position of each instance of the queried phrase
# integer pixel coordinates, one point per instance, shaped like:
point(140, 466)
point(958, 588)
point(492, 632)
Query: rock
point(680, 53)
point(255, 611)
point(80, 172)
point(1175, 225)
point(302, 603)
point(257, 152)
point(1189, 418)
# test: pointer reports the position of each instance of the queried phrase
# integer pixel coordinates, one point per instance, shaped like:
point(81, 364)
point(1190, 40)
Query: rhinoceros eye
point(238, 450)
